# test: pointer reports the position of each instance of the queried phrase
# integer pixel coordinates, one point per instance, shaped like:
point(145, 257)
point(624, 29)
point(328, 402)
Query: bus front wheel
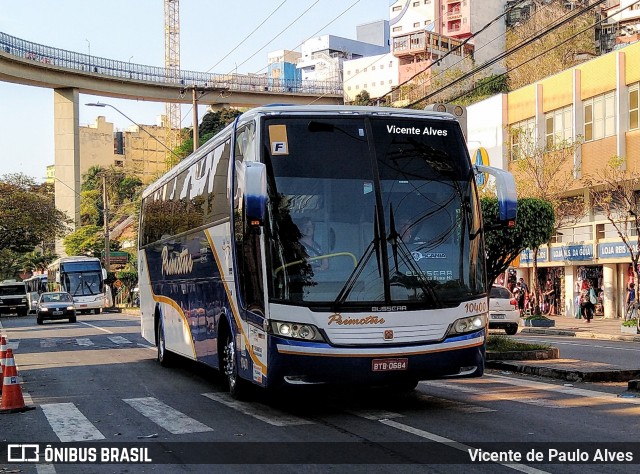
point(238, 388)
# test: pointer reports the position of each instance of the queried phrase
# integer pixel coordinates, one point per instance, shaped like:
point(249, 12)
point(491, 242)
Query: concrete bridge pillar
point(66, 131)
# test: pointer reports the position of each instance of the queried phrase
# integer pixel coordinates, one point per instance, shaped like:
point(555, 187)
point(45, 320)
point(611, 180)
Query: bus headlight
point(307, 332)
point(468, 324)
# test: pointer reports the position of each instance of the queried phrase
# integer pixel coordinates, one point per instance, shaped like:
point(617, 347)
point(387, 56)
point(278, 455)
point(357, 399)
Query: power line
point(545, 52)
point(247, 37)
point(461, 45)
point(285, 29)
point(504, 54)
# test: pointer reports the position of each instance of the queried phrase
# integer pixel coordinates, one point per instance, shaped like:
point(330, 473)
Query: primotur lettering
point(338, 319)
point(179, 265)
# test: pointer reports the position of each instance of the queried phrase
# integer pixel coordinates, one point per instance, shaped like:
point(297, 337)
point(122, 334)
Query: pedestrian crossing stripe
point(119, 340)
point(166, 417)
point(69, 424)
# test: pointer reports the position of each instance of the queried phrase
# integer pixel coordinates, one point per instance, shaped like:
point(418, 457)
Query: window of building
point(389, 81)
point(599, 116)
point(364, 86)
point(397, 28)
point(357, 86)
point(427, 2)
point(348, 73)
point(381, 66)
point(633, 106)
point(391, 64)
point(522, 138)
point(416, 24)
point(397, 8)
point(119, 163)
point(348, 88)
point(558, 126)
point(416, 4)
point(357, 71)
point(365, 69)
point(373, 84)
point(373, 68)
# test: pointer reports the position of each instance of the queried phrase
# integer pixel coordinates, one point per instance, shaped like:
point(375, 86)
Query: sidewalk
point(573, 369)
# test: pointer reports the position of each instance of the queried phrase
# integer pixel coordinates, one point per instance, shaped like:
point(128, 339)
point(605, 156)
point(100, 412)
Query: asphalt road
point(97, 381)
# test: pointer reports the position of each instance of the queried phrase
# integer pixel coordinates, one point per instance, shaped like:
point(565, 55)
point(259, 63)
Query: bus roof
point(315, 110)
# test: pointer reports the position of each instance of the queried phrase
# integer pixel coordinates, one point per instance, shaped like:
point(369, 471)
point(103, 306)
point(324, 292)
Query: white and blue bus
point(83, 278)
point(226, 279)
point(36, 285)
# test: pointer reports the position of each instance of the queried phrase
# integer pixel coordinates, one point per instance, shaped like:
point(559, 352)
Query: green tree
point(87, 240)
point(28, 216)
point(562, 49)
point(363, 98)
point(614, 194)
point(534, 227)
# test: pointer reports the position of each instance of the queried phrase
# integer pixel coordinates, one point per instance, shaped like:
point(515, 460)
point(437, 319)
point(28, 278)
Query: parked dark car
point(55, 305)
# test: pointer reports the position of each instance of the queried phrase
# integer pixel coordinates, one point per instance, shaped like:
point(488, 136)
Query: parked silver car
point(503, 310)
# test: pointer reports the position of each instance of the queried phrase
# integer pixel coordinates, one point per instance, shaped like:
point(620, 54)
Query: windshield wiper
point(398, 245)
point(361, 264)
point(89, 288)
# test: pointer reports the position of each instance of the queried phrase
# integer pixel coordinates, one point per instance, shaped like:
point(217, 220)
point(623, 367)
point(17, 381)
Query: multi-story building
point(595, 104)
point(282, 66)
point(323, 56)
point(376, 74)
point(622, 24)
point(134, 149)
point(423, 32)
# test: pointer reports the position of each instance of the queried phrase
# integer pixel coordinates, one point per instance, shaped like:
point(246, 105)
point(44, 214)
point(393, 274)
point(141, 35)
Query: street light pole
point(105, 202)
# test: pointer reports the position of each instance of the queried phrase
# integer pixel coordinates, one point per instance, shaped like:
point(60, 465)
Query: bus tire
point(164, 356)
point(238, 388)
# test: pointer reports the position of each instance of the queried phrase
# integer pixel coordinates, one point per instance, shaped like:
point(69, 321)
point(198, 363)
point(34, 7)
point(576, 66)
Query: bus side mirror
point(506, 190)
point(255, 192)
point(58, 277)
point(104, 273)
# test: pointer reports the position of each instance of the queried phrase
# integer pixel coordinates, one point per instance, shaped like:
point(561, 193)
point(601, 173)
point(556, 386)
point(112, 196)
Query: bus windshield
point(82, 278)
point(378, 211)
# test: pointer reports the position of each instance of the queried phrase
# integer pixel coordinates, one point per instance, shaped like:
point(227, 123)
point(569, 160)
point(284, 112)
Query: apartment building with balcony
point(622, 24)
point(596, 103)
point(423, 32)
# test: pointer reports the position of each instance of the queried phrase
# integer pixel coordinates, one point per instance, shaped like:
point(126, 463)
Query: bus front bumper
point(297, 362)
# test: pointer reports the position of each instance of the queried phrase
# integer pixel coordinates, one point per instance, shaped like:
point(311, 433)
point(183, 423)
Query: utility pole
point(107, 256)
point(196, 138)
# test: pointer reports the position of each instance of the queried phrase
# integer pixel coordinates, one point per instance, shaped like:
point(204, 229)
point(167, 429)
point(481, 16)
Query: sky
point(133, 31)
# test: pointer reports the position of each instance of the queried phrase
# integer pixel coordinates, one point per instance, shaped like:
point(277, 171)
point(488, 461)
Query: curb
point(540, 354)
point(572, 375)
point(580, 335)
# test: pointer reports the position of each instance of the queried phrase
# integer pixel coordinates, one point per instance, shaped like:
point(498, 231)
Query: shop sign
point(614, 250)
point(572, 253)
point(526, 256)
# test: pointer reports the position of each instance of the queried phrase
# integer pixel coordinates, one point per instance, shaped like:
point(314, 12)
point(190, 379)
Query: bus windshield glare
point(373, 211)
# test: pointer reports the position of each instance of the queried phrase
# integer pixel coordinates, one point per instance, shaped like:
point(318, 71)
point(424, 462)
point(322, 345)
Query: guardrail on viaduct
point(138, 72)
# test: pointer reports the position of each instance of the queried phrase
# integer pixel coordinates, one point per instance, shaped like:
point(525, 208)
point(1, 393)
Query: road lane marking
point(166, 417)
point(456, 445)
point(69, 424)
point(96, 327)
point(119, 340)
point(84, 341)
point(374, 414)
point(257, 410)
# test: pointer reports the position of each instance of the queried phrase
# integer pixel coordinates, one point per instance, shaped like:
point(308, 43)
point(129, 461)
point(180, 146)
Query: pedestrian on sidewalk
point(630, 301)
point(587, 302)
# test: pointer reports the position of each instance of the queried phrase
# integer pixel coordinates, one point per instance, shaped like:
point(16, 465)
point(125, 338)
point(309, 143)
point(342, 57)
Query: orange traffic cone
point(12, 400)
point(3, 350)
